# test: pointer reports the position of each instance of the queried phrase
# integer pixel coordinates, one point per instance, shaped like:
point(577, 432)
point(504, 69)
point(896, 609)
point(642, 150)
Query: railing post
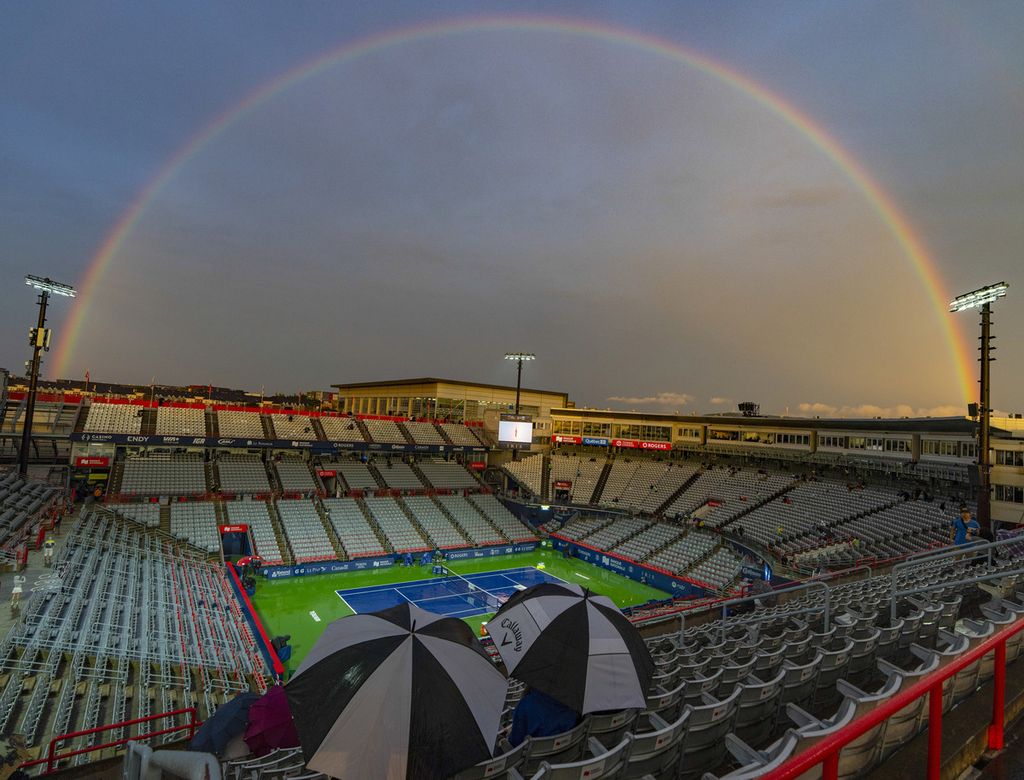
point(995, 730)
point(830, 766)
point(935, 731)
point(49, 755)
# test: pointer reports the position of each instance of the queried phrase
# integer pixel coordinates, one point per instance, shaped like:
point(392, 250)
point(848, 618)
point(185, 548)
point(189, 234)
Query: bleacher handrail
point(51, 757)
point(828, 750)
point(827, 605)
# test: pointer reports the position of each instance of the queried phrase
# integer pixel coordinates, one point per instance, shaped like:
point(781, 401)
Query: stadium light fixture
point(39, 340)
point(983, 298)
point(519, 358)
point(979, 297)
point(50, 286)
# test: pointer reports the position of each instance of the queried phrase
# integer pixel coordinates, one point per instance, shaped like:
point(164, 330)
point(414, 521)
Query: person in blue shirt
point(538, 715)
point(965, 529)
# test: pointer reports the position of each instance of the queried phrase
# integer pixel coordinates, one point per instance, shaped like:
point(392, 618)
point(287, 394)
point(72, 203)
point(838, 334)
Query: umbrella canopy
point(224, 725)
point(401, 693)
point(573, 645)
point(270, 723)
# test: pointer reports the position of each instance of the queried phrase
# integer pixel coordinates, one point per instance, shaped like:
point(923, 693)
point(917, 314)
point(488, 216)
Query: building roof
point(431, 380)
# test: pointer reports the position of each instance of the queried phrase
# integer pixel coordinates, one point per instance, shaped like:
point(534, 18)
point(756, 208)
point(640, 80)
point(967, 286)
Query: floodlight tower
point(39, 340)
point(982, 299)
point(519, 357)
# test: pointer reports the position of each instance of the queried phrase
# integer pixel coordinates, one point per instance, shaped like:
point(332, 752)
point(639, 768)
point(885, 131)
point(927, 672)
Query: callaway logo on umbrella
point(573, 645)
point(401, 693)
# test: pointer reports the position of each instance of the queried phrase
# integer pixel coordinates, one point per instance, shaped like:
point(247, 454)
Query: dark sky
point(658, 237)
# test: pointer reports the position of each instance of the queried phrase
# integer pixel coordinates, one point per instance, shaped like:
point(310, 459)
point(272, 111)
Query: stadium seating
point(240, 425)
point(617, 532)
point(164, 475)
point(384, 432)
point(528, 472)
point(461, 435)
point(583, 473)
point(304, 531)
point(424, 433)
point(179, 421)
point(581, 525)
point(341, 429)
point(507, 523)
point(293, 426)
point(242, 475)
point(398, 475)
point(196, 523)
point(732, 489)
point(470, 520)
point(720, 569)
point(446, 474)
point(22, 503)
point(395, 525)
point(147, 515)
point(114, 418)
point(133, 626)
point(255, 515)
point(684, 552)
point(647, 541)
point(438, 527)
point(356, 475)
point(294, 476)
point(352, 527)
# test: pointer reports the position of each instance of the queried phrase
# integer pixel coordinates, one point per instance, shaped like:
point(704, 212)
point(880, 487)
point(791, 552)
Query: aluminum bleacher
point(114, 418)
point(181, 474)
point(447, 474)
point(238, 424)
point(294, 476)
point(352, 528)
point(528, 472)
point(384, 431)
point(439, 528)
point(242, 474)
point(461, 435)
point(356, 475)
point(398, 474)
point(498, 515)
point(196, 523)
point(180, 421)
point(470, 520)
point(341, 429)
point(304, 530)
point(395, 525)
point(424, 432)
point(293, 426)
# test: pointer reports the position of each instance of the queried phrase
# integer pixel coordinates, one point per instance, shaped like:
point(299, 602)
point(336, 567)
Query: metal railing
point(52, 757)
point(976, 552)
point(827, 752)
point(825, 607)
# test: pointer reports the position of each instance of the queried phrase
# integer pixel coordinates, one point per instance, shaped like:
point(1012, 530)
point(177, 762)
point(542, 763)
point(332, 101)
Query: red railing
point(828, 750)
point(52, 757)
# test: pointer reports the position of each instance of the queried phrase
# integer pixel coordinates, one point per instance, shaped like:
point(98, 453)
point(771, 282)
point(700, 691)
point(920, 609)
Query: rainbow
point(902, 231)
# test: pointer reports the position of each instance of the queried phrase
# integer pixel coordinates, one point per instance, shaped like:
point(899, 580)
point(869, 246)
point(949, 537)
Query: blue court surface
point(475, 594)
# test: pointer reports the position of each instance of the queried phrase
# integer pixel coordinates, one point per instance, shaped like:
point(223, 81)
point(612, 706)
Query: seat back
point(696, 687)
point(704, 747)
point(656, 752)
point(609, 727)
point(567, 746)
point(800, 680)
point(604, 766)
point(758, 711)
point(496, 767)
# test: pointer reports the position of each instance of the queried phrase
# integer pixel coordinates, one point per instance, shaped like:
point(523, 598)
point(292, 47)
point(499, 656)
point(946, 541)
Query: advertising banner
point(92, 462)
point(654, 578)
point(559, 438)
point(595, 441)
point(209, 442)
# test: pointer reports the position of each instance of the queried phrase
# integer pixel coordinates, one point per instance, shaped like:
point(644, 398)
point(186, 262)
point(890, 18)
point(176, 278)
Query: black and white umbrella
point(573, 645)
point(401, 693)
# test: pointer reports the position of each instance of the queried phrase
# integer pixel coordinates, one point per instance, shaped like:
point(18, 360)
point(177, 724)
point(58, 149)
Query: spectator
point(48, 547)
point(965, 529)
point(19, 580)
point(538, 715)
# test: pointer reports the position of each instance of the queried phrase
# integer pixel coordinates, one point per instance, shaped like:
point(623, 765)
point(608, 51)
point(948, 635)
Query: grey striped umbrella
point(573, 645)
point(401, 693)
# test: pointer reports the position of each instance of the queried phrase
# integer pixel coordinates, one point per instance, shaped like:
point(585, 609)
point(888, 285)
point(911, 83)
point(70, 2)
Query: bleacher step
point(595, 497)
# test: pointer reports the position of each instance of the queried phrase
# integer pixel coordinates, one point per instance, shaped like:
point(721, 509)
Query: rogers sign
point(632, 444)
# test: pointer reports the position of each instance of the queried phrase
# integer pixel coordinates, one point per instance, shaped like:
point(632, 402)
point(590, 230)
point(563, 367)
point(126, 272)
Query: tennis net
point(473, 595)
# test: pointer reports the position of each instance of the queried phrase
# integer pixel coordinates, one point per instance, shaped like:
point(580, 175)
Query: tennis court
point(452, 595)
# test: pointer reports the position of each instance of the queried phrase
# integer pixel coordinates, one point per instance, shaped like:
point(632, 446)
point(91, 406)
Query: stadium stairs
point(377, 476)
point(363, 430)
point(211, 423)
point(339, 548)
point(757, 504)
point(83, 414)
point(282, 539)
point(116, 477)
point(408, 436)
point(148, 427)
point(595, 498)
point(318, 429)
point(420, 475)
point(445, 436)
point(415, 523)
point(268, 429)
point(385, 545)
point(545, 479)
point(678, 492)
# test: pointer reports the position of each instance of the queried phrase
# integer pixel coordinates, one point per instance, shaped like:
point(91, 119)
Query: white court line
point(584, 576)
point(346, 603)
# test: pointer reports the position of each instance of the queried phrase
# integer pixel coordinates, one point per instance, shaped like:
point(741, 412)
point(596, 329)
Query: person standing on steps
point(48, 547)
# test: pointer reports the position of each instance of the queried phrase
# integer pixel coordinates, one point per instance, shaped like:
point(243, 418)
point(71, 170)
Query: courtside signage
point(210, 442)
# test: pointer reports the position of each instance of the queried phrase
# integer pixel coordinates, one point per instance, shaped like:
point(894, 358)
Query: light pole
point(983, 299)
point(39, 340)
point(519, 357)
